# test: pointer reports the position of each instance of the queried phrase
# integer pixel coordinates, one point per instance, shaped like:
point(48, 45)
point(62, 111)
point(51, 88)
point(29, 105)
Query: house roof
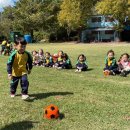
point(101, 29)
point(99, 15)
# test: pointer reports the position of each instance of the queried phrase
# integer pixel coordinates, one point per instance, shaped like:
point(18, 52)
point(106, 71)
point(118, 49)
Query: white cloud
point(4, 3)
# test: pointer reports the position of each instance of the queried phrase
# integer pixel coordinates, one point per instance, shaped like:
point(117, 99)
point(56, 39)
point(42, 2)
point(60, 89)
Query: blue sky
point(4, 3)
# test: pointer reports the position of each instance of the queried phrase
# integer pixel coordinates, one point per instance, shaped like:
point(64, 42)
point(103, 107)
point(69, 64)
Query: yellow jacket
point(19, 64)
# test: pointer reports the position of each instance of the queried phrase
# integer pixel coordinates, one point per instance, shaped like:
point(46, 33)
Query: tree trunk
point(68, 33)
point(31, 32)
point(79, 36)
point(80, 29)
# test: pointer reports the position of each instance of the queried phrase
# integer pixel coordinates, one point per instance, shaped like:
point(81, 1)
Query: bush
point(38, 36)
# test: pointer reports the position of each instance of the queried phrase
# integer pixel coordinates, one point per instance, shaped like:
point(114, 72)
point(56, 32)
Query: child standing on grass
point(18, 66)
point(81, 64)
point(3, 46)
point(7, 48)
point(124, 65)
point(111, 67)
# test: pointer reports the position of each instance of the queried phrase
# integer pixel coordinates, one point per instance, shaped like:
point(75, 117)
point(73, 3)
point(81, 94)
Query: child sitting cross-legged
point(81, 64)
point(41, 57)
point(48, 62)
point(35, 58)
point(124, 65)
point(111, 67)
point(59, 59)
point(66, 63)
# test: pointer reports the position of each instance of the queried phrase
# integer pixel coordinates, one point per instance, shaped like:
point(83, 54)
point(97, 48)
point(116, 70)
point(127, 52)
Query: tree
point(36, 15)
point(28, 15)
point(74, 14)
point(6, 22)
point(51, 11)
point(119, 9)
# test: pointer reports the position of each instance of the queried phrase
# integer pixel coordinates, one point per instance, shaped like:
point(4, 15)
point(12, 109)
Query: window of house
point(109, 19)
point(94, 32)
point(109, 32)
point(96, 19)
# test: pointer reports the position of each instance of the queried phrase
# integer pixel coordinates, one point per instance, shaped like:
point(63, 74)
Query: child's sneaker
point(77, 70)
point(112, 73)
point(59, 68)
point(25, 97)
point(43, 65)
point(12, 95)
point(123, 74)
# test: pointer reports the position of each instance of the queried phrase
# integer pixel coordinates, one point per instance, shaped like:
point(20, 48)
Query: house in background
point(100, 28)
point(125, 34)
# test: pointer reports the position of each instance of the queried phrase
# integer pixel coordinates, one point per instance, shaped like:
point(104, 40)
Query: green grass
point(89, 101)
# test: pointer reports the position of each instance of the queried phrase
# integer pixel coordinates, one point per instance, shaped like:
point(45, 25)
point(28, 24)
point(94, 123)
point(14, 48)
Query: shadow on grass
point(90, 69)
point(45, 95)
point(62, 116)
point(23, 125)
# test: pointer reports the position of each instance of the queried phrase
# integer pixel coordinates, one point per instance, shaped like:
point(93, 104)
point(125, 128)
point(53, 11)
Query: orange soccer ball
point(51, 112)
point(106, 73)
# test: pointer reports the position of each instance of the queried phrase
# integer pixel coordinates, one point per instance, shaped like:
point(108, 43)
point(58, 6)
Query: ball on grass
point(51, 112)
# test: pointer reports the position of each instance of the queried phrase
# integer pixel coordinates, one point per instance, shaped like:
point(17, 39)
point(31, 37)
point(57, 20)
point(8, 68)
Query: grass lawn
point(88, 100)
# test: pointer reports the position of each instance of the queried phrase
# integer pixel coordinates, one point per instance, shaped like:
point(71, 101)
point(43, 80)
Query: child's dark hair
point(34, 51)
point(47, 53)
point(9, 41)
point(82, 56)
point(111, 51)
point(128, 56)
point(61, 52)
point(21, 41)
point(65, 56)
point(42, 50)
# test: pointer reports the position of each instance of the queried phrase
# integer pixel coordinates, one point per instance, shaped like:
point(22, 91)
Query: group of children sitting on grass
point(60, 60)
point(112, 67)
